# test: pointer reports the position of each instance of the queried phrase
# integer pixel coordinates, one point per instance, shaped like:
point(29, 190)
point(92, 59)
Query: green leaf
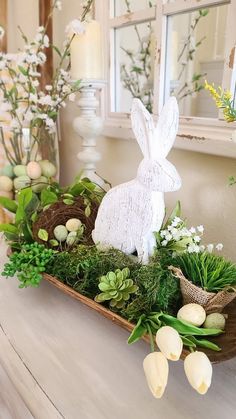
point(48, 197)
point(8, 228)
point(87, 211)
point(24, 198)
point(43, 234)
point(23, 70)
point(175, 213)
point(139, 330)
point(56, 49)
point(68, 201)
point(203, 343)
point(9, 204)
point(186, 328)
point(53, 243)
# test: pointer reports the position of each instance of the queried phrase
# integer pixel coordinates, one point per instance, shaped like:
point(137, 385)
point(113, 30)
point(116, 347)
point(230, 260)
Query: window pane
point(121, 7)
point(134, 49)
point(195, 53)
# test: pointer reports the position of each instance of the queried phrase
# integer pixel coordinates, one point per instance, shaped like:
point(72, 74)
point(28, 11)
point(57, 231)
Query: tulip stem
point(152, 344)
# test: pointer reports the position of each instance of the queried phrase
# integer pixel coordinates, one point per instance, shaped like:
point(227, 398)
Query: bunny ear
point(167, 127)
point(143, 126)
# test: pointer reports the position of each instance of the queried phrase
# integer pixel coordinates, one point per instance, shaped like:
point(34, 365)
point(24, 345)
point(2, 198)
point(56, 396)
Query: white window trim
point(206, 135)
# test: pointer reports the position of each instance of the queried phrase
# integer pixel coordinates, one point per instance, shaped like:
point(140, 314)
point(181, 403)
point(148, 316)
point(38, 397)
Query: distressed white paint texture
point(132, 211)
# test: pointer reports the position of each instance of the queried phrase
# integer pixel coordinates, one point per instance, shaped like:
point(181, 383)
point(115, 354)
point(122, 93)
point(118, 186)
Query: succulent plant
point(116, 287)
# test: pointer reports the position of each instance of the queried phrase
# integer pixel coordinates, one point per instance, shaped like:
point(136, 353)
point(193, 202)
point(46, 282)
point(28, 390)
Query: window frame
point(207, 135)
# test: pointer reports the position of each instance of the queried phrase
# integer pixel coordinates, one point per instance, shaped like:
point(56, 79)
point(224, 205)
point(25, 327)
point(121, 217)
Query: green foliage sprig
point(208, 271)
point(116, 287)
point(28, 264)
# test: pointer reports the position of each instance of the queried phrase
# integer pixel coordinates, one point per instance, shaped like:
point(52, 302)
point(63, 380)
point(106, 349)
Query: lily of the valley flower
point(198, 370)
point(169, 342)
point(156, 370)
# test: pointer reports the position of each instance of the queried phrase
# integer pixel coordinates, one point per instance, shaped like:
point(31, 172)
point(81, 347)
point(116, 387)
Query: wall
point(205, 197)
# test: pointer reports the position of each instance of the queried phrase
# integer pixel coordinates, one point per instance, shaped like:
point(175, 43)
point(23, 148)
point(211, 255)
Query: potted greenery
point(206, 279)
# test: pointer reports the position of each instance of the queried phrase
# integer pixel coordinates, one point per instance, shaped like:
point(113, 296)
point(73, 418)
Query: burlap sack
point(210, 301)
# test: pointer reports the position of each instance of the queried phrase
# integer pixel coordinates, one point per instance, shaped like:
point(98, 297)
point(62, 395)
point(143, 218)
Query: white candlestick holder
point(89, 126)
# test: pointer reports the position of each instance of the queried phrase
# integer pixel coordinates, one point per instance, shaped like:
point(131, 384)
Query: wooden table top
point(62, 360)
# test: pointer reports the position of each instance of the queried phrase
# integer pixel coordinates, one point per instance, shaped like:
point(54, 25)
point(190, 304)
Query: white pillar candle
point(86, 53)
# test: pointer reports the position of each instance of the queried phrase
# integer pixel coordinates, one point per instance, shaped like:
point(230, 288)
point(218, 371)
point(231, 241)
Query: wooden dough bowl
point(226, 341)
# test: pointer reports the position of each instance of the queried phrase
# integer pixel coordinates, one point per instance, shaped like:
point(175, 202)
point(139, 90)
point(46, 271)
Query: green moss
point(82, 268)
point(158, 290)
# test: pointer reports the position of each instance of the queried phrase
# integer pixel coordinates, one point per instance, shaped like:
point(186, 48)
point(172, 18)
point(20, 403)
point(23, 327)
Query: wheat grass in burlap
point(210, 301)
point(60, 213)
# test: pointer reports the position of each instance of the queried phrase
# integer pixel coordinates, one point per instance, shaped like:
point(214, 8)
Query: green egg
point(71, 238)
point(8, 171)
point(20, 170)
point(39, 184)
point(48, 169)
point(21, 182)
point(60, 233)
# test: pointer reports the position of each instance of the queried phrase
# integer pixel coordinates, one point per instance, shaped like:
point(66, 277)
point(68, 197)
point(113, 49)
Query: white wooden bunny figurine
point(131, 212)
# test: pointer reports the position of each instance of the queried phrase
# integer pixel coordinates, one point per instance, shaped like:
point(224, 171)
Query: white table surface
point(62, 360)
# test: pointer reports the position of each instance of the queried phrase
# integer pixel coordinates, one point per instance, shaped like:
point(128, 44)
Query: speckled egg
point(33, 170)
point(48, 169)
point(20, 170)
point(39, 184)
point(60, 233)
point(21, 182)
point(73, 224)
point(6, 184)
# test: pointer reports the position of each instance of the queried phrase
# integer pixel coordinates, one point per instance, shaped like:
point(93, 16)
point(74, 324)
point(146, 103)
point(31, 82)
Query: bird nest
point(60, 213)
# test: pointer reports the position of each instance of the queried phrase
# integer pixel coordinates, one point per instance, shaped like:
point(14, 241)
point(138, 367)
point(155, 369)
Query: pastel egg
point(39, 184)
point(60, 233)
point(20, 170)
point(8, 171)
point(33, 170)
point(6, 184)
point(48, 169)
point(73, 224)
point(21, 182)
point(6, 194)
point(71, 238)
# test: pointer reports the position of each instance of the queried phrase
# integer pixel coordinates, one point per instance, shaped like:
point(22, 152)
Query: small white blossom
point(46, 100)
point(210, 248)
point(40, 29)
point(72, 97)
point(58, 5)
point(48, 87)
point(192, 230)
point(35, 83)
point(202, 248)
point(197, 239)
point(75, 27)
point(33, 98)
point(219, 247)
point(193, 248)
point(200, 229)
point(164, 243)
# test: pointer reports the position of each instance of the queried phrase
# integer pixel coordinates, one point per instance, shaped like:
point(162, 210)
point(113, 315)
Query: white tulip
point(169, 342)
point(198, 370)
point(156, 370)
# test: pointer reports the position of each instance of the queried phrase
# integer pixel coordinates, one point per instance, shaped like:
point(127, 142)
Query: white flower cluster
point(19, 74)
point(178, 237)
